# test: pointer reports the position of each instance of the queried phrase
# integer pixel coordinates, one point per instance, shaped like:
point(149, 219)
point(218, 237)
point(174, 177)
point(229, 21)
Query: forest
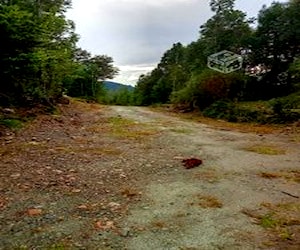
point(40, 63)
point(39, 59)
point(265, 89)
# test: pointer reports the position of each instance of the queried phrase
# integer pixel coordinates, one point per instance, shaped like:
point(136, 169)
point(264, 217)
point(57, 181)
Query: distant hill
point(114, 86)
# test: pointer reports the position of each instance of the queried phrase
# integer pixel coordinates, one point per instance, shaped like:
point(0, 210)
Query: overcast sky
point(135, 33)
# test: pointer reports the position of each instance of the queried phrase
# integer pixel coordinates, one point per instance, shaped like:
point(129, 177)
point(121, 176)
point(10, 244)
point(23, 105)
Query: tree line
point(39, 60)
point(269, 45)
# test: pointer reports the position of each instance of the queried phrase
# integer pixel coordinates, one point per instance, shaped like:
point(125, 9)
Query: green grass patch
point(12, 123)
point(59, 246)
point(128, 129)
point(265, 149)
point(282, 220)
point(120, 121)
point(268, 221)
point(180, 130)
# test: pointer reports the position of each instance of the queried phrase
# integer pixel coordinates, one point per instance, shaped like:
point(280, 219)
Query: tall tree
point(278, 34)
point(276, 46)
point(88, 74)
point(36, 49)
point(227, 29)
point(220, 7)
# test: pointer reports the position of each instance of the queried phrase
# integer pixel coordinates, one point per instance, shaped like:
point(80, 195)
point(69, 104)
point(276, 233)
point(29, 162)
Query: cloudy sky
point(135, 33)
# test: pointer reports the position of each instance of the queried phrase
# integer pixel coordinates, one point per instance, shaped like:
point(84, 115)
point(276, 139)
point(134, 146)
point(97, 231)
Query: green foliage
point(123, 97)
point(227, 29)
point(294, 70)
point(11, 123)
point(286, 109)
point(182, 77)
point(278, 34)
point(88, 74)
point(279, 110)
point(221, 110)
point(275, 46)
point(145, 86)
point(188, 96)
point(233, 112)
point(207, 87)
point(181, 74)
point(38, 58)
point(268, 221)
point(35, 51)
point(169, 75)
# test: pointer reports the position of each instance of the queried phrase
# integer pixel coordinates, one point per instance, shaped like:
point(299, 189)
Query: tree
point(195, 60)
point(35, 50)
point(278, 34)
point(228, 29)
point(220, 7)
point(144, 88)
point(88, 73)
point(275, 45)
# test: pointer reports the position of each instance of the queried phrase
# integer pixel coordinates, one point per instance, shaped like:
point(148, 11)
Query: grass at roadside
point(292, 129)
point(282, 221)
point(180, 130)
point(196, 116)
point(14, 124)
point(206, 201)
point(265, 149)
point(290, 175)
point(128, 129)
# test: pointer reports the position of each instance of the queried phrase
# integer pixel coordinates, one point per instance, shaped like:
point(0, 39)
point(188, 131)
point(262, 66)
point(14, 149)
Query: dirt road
point(203, 208)
point(113, 178)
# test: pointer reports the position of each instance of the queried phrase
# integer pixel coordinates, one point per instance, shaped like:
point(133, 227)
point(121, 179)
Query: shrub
point(220, 109)
point(286, 109)
point(11, 123)
point(209, 86)
point(233, 112)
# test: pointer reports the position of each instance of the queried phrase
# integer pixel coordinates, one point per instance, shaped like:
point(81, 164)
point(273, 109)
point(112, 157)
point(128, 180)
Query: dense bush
point(122, 97)
point(271, 66)
point(236, 112)
point(286, 109)
point(188, 96)
point(204, 89)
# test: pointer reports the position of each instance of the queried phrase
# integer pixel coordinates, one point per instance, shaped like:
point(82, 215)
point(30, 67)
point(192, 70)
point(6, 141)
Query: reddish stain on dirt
point(191, 163)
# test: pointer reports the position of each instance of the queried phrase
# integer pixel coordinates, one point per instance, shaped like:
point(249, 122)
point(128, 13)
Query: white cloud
point(137, 31)
point(129, 74)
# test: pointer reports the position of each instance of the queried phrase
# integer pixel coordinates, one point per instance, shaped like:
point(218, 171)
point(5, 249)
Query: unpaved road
point(171, 207)
point(112, 178)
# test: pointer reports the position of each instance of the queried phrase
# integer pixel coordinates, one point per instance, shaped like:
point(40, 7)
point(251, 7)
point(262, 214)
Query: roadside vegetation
point(40, 63)
point(265, 90)
point(282, 221)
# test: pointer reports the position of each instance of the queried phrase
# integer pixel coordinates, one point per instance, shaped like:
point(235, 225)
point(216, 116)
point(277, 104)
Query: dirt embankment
point(94, 177)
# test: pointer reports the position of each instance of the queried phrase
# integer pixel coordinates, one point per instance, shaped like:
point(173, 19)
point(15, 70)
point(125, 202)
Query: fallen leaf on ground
point(83, 207)
point(34, 211)
point(76, 191)
point(104, 225)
